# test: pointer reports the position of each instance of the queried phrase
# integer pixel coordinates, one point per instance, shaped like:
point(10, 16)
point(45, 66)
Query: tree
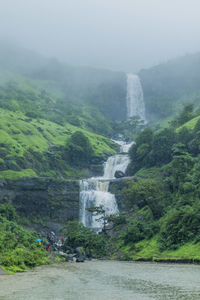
point(186, 114)
point(179, 226)
point(162, 146)
point(78, 150)
point(145, 192)
point(139, 152)
point(78, 235)
point(101, 212)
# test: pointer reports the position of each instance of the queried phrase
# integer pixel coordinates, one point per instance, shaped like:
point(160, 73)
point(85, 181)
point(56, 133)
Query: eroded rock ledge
point(46, 203)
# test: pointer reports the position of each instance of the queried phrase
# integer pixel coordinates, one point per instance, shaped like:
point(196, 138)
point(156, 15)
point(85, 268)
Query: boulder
point(80, 258)
point(80, 254)
point(119, 174)
point(80, 251)
point(70, 257)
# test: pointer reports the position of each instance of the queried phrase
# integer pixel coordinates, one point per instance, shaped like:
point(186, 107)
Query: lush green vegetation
point(18, 247)
point(31, 147)
point(162, 220)
point(94, 245)
point(54, 122)
point(42, 106)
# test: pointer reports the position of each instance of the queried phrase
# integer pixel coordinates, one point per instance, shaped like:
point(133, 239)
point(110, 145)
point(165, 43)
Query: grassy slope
point(148, 250)
point(190, 124)
point(18, 134)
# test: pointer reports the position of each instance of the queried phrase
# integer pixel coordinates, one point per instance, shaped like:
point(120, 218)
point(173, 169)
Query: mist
point(124, 35)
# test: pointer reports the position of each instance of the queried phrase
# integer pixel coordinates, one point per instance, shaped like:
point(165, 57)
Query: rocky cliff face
point(116, 186)
point(47, 203)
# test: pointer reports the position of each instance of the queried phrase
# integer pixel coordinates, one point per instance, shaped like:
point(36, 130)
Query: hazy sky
point(117, 34)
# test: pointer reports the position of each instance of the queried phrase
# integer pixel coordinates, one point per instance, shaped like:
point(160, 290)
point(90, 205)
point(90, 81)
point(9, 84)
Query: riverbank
point(148, 250)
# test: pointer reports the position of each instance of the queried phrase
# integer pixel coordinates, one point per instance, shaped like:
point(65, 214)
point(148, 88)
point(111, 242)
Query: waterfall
point(94, 191)
point(134, 98)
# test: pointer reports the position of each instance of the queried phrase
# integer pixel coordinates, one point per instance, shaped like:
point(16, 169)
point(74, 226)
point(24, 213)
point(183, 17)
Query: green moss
point(10, 174)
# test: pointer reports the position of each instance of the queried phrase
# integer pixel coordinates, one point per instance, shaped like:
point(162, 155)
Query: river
point(99, 280)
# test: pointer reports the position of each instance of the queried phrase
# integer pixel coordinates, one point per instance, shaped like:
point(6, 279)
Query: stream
point(99, 280)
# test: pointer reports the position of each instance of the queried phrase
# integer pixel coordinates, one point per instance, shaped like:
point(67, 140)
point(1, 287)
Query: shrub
point(78, 150)
point(78, 235)
point(180, 226)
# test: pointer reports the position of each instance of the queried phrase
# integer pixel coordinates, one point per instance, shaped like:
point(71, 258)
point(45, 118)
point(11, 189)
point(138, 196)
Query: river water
point(99, 280)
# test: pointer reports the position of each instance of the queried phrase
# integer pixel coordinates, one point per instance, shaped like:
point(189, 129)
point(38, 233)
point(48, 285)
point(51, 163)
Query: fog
point(122, 35)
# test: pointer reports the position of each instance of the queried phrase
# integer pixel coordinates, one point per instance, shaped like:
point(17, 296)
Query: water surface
point(99, 280)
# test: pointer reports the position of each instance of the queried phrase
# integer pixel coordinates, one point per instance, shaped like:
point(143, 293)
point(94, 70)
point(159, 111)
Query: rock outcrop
point(116, 186)
point(47, 203)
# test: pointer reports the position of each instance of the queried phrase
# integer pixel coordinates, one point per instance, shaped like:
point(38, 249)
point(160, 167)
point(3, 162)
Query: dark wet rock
point(70, 257)
point(62, 254)
point(80, 258)
point(67, 249)
point(115, 187)
point(97, 160)
point(119, 174)
point(80, 254)
point(80, 251)
point(53, 201)
point(107, 153)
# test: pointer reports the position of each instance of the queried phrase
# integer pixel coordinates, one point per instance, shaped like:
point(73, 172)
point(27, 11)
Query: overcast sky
point(116, 34)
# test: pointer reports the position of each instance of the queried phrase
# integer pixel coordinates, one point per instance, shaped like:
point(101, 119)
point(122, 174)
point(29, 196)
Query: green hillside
point(55, 121)
point(161, 221)
point(46, 113)
point(169, 86)
point(103, 90)
point(27, 143)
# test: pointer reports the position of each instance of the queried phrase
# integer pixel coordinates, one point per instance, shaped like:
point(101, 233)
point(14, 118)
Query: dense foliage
point(163, 198)
point(77, 235)
point(78, 150)
point(18, 247)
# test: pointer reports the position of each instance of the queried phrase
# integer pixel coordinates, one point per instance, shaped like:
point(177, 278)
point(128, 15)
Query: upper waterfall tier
point(134, 98)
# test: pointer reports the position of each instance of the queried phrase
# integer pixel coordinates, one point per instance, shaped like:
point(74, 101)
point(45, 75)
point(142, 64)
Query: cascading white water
point(134, 98)
point(115, 163)
point(94, 191)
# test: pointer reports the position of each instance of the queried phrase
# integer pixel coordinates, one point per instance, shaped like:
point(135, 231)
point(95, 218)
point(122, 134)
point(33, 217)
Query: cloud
point(117, 34)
